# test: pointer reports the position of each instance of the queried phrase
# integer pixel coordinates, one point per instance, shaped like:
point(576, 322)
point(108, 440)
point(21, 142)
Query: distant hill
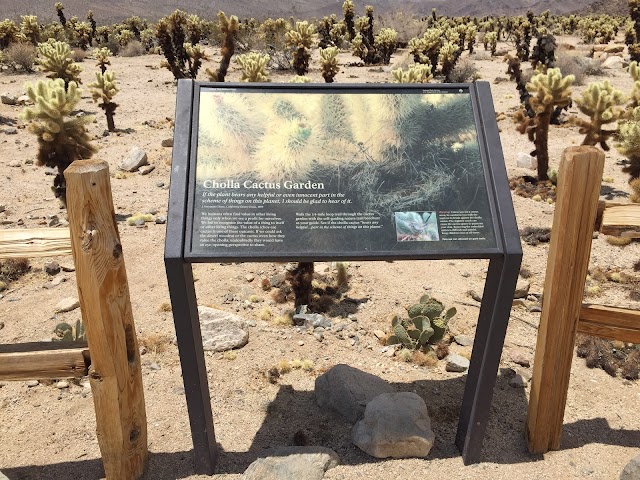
point(612, 7)
point(109, 11)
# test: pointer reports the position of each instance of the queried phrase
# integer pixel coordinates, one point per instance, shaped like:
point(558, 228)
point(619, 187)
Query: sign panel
point(359, 172)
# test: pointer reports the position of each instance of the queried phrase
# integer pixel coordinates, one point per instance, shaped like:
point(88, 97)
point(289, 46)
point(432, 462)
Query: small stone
point(135, 159)
point(15, 163)
point(614, 48)
point(161, 220)
point(32, 383)
point(2, 208)
point(249, 277)
point(476, 296)
point(535, 309)
point(146, 169)
point(318, 336)
point(311, 320)
point(519, 358)
point(524, 160)
point(518, 381)
point(300, 343)
point(52, 268)
point(154, 366)
point(167, 142)
point(292, 463)
point(379, 334)
point(66, 267)
point(62, 384)
point(522, 289)
point(631, 470)
point(613, 63)
point(456, 363)
point(277, 280)
point(11, 131)
point(159, 184)
point(519, 302)
point(54, 221)
point(24, 100)
point(464, 340)
point(9, 99)
point(222, 330)
point(395, 425)
point(66, 305)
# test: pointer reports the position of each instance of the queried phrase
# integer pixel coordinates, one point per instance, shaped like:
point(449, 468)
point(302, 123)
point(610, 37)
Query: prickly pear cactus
point(55, 58)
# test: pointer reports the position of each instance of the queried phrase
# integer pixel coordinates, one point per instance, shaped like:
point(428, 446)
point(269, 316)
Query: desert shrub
point(464, 71)
point(78, 55)
point(579, 67)
point(12, 269)
point(20, 56)
point(133, 49)
point(406, 26)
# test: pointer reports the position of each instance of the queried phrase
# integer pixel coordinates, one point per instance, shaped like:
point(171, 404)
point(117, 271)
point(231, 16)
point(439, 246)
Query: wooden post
point(577, 202)
point(115, 375)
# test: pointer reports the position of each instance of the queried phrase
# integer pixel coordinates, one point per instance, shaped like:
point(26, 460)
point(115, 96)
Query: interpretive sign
point(305, 172)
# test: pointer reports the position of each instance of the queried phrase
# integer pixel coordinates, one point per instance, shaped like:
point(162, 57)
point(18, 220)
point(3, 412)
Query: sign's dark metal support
point(494, 312)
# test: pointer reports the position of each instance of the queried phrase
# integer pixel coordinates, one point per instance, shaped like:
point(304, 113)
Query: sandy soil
point(47, 433)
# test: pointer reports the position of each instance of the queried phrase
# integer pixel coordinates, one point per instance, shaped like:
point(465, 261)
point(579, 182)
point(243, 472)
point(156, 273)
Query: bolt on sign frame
point(316, 172)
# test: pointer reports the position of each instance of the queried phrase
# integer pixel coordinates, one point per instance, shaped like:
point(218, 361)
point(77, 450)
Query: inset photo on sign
point(416, 227)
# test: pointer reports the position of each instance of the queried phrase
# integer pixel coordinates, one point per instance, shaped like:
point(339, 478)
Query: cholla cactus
point(603, 105)
point(491, 42)
point(300, 79)
point(449, 54)
point(385, 43)
point(629, 145)
point(104, 89)
point(124, 37)
point(9, 32)
point(102, 57)
point(634, 71)
point(30, 29)
point(181, 58)
point(548, 91)
point(349, 15)
point(544, 52)
point(427, 48)
point(55, 58)
point(329, 63)
point(82, 34)
point(60, 141)
point(253, 65)
point(229, 27)
point(301, 38)
point(416, 73)
point(59, 11)
point(94, 26)
point(470, 36)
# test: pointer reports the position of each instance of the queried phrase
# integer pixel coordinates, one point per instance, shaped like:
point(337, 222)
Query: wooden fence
point(110, 356)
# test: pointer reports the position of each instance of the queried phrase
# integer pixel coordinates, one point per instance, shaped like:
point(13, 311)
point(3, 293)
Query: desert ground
point(49, 433)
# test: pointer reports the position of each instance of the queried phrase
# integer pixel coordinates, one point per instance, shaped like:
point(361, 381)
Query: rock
point(395, 425)
point(2, 208)
point(318, 336)
point(154, 366)
point(277, 280)
point(222, 330)
point(62, 384)
point(167, 142)
point(522, 289)
point(518, 381)
point(631, 470)
point(535, 309)
point(14, 163)
point(613, 63)
point(146, 169)
point(54, 221)
point(464, 340)
point(24, 100)
point(9, 99)
point(289, 463)
point(249, 277)
point(66, 305)
point(456, 363)
point(135, 159)
point(475, 295)
point(161, 220)
point(347, 390)
point(379, 334)
point(52, 268)
point(11, 131)
point(614, 48)
point(67, 267)
point(519, 358)
point(32, 383)
point(311, 320)
point(524, 160)
point(519, 302)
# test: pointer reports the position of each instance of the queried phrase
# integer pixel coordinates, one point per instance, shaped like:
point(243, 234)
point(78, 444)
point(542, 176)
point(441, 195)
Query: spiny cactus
point(416, 73)
point(470, 36)
point(102, 57)
point(124, 37)
point(300, 79)
point(253, 65)
point(104, 89)
point(629, 143)
point(55, 58)
point(181, 58)
point(349, 18)
point(426, 49)
point(548, 91)
point(30, 29)
point(385, 43)
point(94, 26)
point(59, 11)
point(329, 63)
point(60, 140)
point(449, 54)
point(301, 39)
point(603, 105)
point(9, 32)
point(634, 71)
point(426, 325)
point(544, 51)
point(491, 42)
point(229, 27)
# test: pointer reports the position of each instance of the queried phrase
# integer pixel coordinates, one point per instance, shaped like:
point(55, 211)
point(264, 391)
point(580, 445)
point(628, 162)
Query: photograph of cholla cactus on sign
point(317, 173)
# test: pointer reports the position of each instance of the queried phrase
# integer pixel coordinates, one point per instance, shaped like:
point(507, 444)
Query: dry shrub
point(407, 26)
point(579, 67)
point(428, 359)
point(465, 71)
point(165, 307)
point(133, 49)
point(618, 241)
point(12, 269)
point(155, 343)
point(610, 356)
point(265, 284)
point(635, 187)
point(20, 56)
point(78, 55)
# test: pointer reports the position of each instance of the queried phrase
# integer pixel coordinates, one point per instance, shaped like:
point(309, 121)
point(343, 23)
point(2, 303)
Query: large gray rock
point(222, 330)
point(631, 470)
point(395, 425)
point(9, 99)
point(292, 463)
point(456, 363)
point(347, 390)
point(613, 63)
point(135, 159)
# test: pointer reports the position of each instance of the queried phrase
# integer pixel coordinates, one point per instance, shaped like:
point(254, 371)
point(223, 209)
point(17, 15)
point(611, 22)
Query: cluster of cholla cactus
point(182, 58)
point(61, 140)
point(543, 55)
point(416, 73)
point(370, 48)
point(548, 91)
point(301, 39)
point(229, 27)
point(490, 42)
point(104, 89)
point(603, 104)
point(442, 44)
point(329, 63)
point(55, 58)
point(634, 13)
point(60, 12)
point(9, 33)
point(522, 37)
point(253, 67)
point(30, 29)
point(426, 325)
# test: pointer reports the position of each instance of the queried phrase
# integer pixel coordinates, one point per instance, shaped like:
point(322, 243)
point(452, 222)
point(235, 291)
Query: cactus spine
point(104, 89)
point(60, 141)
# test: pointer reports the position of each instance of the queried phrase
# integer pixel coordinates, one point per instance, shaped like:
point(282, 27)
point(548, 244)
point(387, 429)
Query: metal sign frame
point(502, 274)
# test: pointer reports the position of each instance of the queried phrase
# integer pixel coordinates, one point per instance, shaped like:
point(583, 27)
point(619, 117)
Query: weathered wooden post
point(115, 376)
point(579, 182)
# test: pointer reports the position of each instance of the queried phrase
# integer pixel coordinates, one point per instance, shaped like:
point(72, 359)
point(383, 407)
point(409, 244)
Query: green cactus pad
point(439, 326)
point(415, 310)
point(426, 334)
point(432, 309)
point(421, 322)
point(393, 340)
